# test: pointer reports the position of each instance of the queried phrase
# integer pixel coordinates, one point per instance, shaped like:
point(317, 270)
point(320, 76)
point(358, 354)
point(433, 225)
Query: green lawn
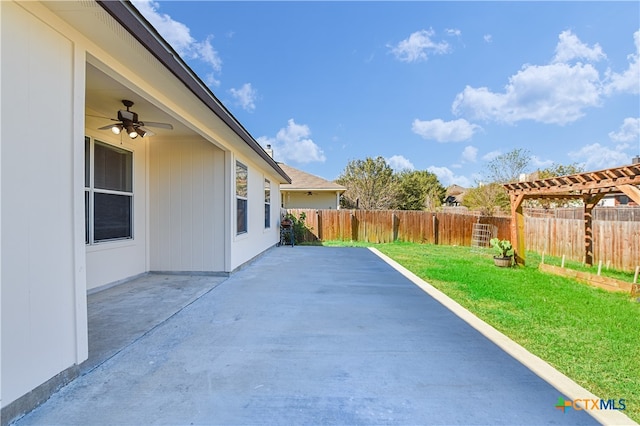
point(588, 334)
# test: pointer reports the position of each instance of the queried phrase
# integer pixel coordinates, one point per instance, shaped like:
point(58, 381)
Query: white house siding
point(246, 246)
point(37, 278)
point(110, 262)
point(317, 200)
point(184, 203)
point(187, 206)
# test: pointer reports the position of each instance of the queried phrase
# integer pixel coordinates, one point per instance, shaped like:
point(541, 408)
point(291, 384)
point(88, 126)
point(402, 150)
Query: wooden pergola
point(590, 187)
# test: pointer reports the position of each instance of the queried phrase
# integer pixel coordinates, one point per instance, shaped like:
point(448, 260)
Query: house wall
point(39, 236)
point(246, 246)
point(187, 206)
point(111, 261)
point(46, 266)
point(317, 200)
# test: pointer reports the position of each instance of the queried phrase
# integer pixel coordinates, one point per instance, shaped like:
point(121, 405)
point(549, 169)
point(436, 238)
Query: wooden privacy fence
point(384, 226)
point(616, 242)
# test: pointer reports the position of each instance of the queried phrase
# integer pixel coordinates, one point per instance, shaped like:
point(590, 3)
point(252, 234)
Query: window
point(108, 192)
point(242, 192)
point(267, 204)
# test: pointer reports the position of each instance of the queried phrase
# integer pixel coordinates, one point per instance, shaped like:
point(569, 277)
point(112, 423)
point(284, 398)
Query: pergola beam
point(591, 187)
point(631, 191)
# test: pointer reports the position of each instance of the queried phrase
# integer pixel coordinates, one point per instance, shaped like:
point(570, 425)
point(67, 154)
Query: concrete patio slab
point(120, 315)
point(310, 335)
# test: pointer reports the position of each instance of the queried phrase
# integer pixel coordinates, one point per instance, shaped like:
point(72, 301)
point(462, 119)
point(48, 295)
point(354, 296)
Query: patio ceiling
point(104, 97)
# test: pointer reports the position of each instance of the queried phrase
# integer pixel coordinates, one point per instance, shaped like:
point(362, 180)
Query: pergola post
point(517, 227)
point(590, 201)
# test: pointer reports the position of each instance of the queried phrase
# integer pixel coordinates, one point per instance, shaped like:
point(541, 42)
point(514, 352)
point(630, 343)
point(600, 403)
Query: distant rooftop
point(303, 181)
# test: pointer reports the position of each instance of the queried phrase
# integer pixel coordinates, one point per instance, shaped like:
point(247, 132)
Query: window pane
point(241, 180)
point(267, 191)
point(87, 161)
point(241, 220)
point(112, 216)
point(267, 215)
point(86, 217)
point(112, 168)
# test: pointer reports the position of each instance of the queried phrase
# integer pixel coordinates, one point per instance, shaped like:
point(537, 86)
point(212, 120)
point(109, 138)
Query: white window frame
point(91, 190)
point(242, 196)
point(267, 204)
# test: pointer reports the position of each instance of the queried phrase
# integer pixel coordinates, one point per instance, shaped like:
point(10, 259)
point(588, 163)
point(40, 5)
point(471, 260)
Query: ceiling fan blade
point(105, 127)
point(146, 131)
point(101, 116)
point(159, 125)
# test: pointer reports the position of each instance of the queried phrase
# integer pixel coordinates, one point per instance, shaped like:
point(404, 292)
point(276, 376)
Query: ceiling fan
point(128, 121)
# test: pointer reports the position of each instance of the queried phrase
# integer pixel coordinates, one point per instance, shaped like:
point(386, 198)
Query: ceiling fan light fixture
point(116, 129)
point(132, 132)
point(141, 132)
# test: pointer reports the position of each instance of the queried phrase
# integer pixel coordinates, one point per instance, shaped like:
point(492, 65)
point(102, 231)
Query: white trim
point(534, 363)
point(1, 217)
point(80, 254)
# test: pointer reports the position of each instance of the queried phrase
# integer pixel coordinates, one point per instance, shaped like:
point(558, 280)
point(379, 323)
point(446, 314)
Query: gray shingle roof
point(303, 181)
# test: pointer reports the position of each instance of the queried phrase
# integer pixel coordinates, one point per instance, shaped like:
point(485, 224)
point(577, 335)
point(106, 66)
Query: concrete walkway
point(309, 335)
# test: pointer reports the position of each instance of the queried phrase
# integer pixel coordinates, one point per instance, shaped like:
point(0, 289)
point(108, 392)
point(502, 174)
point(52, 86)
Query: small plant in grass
point(502, 248)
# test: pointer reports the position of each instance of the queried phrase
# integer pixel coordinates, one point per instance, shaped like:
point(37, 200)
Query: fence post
point(435, 228)
point(319, 223)
point(354, 227)
point(395, 220)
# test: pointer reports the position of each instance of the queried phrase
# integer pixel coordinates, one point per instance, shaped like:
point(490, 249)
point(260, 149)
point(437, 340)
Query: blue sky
point(438, 86)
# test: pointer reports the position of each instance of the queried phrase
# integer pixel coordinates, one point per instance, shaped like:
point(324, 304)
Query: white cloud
point(447, 177)
point(398, 163)
point(488, 38)
point(178, 35)
point(597, 157)
point(539, 163)
point(454, 32)
point(470, 154)
point(418, 46)
point(245, 96)
point(570, 47)
point(491, 155)
point(556, 93)
point(445, 131)
point(629, 131)
point(293, 143)
point(629, 80)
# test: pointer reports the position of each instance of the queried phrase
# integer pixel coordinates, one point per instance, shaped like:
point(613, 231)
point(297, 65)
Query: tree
point(488, 199)
point(371, 185)
point(419, 190)
point(508, 167)
point(557, 169)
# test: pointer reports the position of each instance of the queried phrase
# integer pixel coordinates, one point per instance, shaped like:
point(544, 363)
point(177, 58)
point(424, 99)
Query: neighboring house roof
point(133, 21)
point(455, 194)
point(303, 181)
point(456, 190)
